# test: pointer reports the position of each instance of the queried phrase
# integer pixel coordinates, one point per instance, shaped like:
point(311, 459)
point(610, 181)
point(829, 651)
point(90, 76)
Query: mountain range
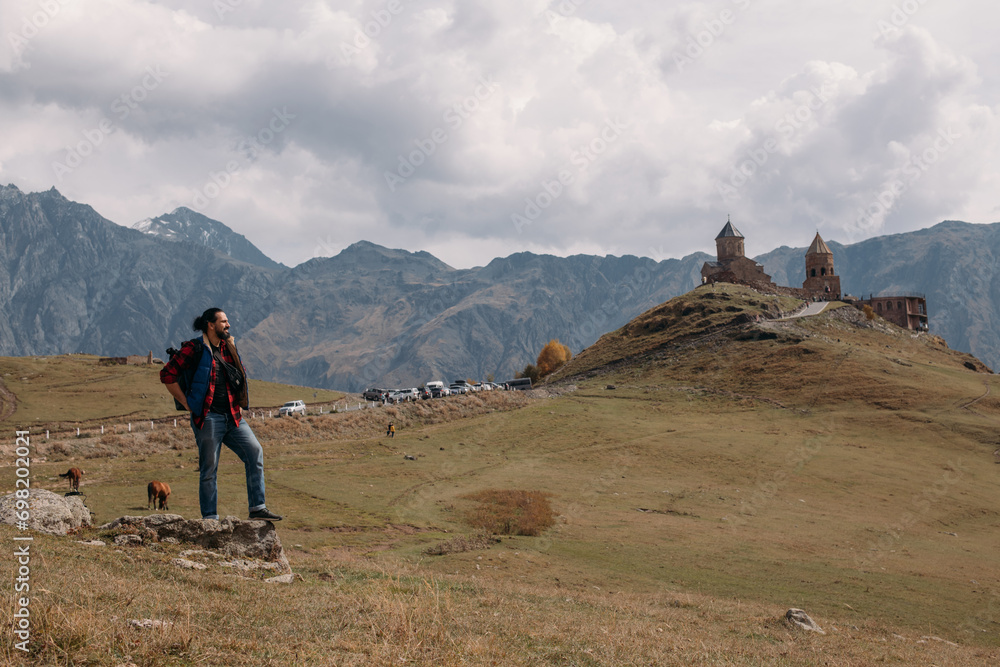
point(73, 281)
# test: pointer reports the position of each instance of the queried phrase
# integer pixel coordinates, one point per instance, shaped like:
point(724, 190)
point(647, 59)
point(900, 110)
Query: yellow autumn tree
point(552, 356)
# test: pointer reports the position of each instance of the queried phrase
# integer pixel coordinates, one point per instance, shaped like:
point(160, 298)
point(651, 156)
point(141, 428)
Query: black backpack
point(184, 379)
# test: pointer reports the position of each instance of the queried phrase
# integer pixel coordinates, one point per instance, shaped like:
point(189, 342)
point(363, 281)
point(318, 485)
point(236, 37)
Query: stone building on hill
point(732, 265)
point(909, 312)
point(821, 284)
point(130, 360)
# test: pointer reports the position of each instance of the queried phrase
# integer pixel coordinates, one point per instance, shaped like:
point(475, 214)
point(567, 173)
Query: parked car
point(438, 392)
point(408, 394)
point(292, 408)
point(459, 388)
point(373, 394)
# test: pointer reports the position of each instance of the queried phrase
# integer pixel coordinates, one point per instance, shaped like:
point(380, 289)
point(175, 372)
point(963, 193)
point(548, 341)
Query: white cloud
point(841, 108)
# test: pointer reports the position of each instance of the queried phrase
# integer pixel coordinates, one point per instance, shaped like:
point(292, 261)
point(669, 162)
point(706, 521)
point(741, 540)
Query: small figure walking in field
point(391, 431)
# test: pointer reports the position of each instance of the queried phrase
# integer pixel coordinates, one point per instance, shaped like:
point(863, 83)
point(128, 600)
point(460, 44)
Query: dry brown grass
point(351, 610)
point(713, 340)
point(462, 543)
point(511, 512)
point(65, 391)
point(341, 425)
point(677, 322)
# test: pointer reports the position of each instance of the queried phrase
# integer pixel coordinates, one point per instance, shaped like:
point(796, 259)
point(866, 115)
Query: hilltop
point(731, 337)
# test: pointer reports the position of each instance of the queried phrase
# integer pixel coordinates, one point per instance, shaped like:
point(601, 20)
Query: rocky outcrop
point(796, 618)
point(48, 512)
point(188, 564)
point(230, 537)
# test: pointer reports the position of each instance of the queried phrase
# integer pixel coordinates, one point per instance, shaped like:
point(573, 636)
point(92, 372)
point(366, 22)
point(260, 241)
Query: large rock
point(231, 536)
point(48, 512)
point(796, 618)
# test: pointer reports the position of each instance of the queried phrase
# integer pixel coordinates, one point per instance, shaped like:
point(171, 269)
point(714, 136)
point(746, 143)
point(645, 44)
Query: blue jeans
point(218, 430)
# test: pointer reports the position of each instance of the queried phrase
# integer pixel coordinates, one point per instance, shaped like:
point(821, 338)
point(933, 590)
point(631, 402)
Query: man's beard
point(222, 334)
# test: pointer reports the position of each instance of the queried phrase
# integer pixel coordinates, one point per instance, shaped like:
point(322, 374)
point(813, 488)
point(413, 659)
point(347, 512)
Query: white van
point(436, 384)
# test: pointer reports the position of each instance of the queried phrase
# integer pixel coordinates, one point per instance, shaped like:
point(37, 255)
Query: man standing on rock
point(207, 378)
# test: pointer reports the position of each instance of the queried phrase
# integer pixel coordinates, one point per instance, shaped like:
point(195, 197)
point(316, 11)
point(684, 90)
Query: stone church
point(733, 266)
point(821, 284)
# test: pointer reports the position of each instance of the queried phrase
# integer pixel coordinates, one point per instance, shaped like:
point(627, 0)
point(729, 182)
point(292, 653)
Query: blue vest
point(199, 380)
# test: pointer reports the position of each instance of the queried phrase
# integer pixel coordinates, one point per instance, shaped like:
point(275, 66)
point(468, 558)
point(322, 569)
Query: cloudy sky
point(477, 128)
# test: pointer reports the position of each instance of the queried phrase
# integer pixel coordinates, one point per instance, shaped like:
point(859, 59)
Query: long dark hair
point(201, 322)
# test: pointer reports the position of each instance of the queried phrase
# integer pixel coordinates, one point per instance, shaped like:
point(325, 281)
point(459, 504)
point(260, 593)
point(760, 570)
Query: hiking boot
point(265, 514)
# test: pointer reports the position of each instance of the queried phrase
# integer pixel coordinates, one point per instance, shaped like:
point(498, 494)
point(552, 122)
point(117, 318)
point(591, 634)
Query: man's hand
point(175, 391)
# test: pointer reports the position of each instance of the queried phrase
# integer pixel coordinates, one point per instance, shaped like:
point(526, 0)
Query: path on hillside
point(8, 402)
point(976, 400)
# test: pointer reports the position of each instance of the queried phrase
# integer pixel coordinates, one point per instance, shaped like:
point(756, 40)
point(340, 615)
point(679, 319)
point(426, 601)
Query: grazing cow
point(158, 491)
point(74, 475)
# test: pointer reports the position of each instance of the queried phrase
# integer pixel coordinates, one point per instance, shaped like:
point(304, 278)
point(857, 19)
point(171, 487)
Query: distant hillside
point(76, 282)
point(183, 224)
point(372, 315)
point(72, 281)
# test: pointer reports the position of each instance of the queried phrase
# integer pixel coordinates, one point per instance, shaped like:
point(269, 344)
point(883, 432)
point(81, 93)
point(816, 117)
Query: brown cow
point(74, 475)
point(158, 491)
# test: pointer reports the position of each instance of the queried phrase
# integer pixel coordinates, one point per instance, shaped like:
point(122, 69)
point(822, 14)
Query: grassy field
point(734, 470)
point(75, 388)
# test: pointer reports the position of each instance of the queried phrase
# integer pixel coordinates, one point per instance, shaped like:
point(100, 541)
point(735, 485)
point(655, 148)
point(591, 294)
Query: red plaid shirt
point(183, 360)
